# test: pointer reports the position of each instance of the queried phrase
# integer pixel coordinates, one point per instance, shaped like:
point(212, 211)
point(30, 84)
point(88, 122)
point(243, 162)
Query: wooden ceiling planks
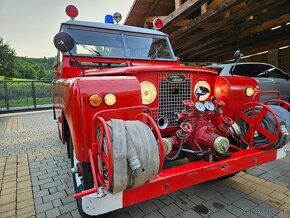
point(211, 30)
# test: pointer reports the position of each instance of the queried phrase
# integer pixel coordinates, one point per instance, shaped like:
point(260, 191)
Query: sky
point(29, 26)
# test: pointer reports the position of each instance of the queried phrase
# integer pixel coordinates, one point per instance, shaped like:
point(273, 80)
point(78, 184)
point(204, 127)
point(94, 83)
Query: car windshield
point(119, 44)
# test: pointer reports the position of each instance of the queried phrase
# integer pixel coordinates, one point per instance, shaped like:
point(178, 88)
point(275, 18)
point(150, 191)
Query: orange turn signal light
point(95, 100)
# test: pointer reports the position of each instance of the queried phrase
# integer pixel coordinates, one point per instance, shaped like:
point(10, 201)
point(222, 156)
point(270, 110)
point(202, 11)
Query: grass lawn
point(20, 93)
point(3, 78)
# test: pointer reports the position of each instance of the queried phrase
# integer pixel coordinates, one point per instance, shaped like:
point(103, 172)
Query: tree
point(7, 59)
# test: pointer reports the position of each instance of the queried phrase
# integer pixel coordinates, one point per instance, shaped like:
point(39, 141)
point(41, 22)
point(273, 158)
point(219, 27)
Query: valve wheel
point(186, 127)
point(104, 155)
point(148, 120)
point(249, 123)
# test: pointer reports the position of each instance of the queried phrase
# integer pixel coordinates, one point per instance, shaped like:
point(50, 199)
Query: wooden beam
point(178, 3)
point(260, 18)
point(240, 16)
point(228, 14)
point(153, 6)
point(186, 6)
point(268, 25)
point(181, 22)
point(176, 35)
point(266, 40)
point(151, 18)
point(203, 8)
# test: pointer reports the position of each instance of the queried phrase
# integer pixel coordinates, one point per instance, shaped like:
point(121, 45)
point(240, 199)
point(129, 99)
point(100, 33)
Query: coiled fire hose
point(269, 124)
point(135, 154)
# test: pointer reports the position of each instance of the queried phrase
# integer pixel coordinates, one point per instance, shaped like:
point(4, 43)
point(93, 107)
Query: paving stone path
point(35, 181)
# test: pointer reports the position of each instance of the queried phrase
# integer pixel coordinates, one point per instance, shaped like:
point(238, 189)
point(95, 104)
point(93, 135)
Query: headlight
point(110, 99)
point(250, 91)
point(95, 100)
point(203, 84)
point(148, 92)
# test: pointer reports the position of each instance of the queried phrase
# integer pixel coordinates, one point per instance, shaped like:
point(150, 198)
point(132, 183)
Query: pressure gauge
point(209, 105)
point(199, 106)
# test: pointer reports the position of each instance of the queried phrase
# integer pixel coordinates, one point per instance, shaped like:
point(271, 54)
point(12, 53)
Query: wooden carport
point(211, 30)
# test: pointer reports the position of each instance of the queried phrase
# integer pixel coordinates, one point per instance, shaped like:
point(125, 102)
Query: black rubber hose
point(268, 123)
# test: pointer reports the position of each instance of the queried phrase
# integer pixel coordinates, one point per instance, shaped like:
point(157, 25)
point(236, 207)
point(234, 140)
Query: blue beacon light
point(109, 19)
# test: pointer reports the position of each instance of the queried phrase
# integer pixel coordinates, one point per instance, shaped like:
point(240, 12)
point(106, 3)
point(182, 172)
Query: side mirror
point(237, 55)
point(64, 42)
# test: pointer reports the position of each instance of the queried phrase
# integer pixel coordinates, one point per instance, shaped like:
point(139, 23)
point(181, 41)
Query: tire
point(227, 176)
point(73, 164)
point(87, 180)
point(68, 144)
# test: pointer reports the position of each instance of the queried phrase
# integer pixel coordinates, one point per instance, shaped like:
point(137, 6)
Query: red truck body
point(176, 115)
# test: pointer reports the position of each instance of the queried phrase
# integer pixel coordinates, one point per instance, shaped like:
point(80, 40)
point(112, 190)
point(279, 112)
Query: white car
point(268, 77)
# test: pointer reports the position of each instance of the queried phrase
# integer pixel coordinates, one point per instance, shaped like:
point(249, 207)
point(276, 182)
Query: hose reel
point(128, 154)
point(264, 126)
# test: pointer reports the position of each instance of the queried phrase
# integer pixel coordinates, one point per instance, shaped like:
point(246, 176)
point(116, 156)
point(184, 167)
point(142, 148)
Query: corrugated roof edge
point(117, 27)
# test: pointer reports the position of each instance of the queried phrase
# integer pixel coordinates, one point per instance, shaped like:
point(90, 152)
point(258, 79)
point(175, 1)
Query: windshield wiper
point(90, 49)
point(154, 56)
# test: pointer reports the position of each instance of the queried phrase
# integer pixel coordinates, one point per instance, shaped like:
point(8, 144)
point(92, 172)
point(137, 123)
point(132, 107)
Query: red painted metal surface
point(71, 94)
point(231, 90)
point(193, 173)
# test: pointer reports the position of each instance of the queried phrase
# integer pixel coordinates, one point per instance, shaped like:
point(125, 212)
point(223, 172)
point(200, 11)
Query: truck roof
point(109, 26)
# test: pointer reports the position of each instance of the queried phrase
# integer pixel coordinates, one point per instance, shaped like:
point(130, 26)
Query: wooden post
point(273, 57)
point(6, 95)
point(178, 3)
point(203, 8)
point(33, 94)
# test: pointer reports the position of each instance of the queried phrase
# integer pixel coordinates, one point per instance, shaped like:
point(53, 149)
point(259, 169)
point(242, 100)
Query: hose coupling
point(134, 163)
point(284, 130)
point(221, 145)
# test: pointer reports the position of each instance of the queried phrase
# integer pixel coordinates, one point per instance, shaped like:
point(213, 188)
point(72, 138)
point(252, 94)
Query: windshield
point(119, 44)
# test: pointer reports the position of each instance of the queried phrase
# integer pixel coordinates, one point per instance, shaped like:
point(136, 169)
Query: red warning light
point(157, 23)
point(71, 11)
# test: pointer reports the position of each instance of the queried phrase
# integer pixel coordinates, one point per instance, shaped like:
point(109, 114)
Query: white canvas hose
point(135, 154)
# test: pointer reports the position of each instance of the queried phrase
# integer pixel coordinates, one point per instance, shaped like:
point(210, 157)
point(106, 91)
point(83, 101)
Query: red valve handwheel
point(254, 123)
point(104, 155)
point(186, 127)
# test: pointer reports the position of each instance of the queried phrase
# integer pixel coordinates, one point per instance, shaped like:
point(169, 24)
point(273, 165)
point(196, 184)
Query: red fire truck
point(125, 108)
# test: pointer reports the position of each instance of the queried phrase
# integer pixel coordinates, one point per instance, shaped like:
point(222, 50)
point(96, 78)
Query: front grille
point(170, 97)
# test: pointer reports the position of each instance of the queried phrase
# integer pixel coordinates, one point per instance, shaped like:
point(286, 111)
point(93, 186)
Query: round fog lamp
point(148, 92)
point(95, 100)
point(250, 91)
point(110, 99)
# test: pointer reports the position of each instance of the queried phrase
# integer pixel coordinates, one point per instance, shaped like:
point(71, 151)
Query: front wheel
point(227, 176)
point(83, 182)
point(77, 179)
